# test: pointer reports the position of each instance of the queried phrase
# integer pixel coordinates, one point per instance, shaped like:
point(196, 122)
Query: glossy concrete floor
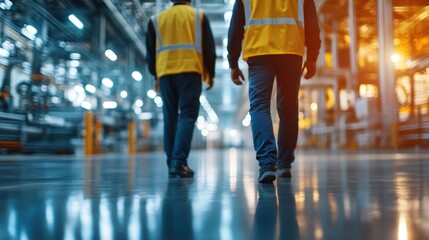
point(332, 195)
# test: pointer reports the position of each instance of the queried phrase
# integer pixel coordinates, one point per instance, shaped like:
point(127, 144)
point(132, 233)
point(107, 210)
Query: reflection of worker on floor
point(274, 40)
point(177, 210)
point(181, 50)
point(276, 209)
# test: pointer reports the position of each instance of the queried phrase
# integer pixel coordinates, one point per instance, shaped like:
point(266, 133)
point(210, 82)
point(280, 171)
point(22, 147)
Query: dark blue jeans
point(286, 69)
point(181, 103)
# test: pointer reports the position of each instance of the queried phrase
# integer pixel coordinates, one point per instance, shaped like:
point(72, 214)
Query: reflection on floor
point(372, 195)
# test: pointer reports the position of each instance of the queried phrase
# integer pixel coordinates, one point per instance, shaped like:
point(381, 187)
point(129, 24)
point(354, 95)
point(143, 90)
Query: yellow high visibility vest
point(179, 36)
point(273, 27)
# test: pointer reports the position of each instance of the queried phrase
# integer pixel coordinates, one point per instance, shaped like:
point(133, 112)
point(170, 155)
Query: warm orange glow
point(396, 58)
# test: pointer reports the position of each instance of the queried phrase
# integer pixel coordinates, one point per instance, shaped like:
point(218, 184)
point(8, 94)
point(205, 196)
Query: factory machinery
point(51, 70)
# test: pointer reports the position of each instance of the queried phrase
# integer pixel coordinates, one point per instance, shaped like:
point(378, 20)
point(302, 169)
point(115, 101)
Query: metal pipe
point(137, 40)
point(386, 69)
point(353, 45)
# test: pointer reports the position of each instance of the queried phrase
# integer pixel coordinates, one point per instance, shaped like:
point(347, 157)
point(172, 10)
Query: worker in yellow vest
point(272, 36)
point(180, 54)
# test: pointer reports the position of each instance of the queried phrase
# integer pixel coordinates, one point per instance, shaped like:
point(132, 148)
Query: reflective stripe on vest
point(182, 46)
point(274, 21)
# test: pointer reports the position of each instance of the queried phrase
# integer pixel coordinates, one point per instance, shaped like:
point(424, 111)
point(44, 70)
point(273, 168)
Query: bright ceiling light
point(6, 5)
point(76, 21)
point(107, 82)
point(74, 63)
point(87, 105)
point(151, 94)
point(74, 56)
point(137, 76)
point(31, 29)
point(4, 53)
point(139, 103)
point(111, 55)
point(158, 101)
point(110, 105)
point(124, 94)
point(395, 58)
point(90, 88)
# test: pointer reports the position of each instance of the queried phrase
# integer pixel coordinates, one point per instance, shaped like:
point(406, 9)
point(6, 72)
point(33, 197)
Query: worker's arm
point(236, 34)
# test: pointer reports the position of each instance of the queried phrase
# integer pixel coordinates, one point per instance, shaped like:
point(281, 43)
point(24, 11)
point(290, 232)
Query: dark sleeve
point(209, 48)
point(151, 48)
point(312, 31)
point(235, 34)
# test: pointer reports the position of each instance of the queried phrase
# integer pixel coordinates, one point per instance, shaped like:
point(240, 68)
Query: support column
point(334, 46)
point(353, 83)
point(101, 47)
point(322, 61)
point(386, 70)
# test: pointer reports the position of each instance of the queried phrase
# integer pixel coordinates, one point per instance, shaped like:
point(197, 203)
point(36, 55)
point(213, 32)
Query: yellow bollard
point(131, 137)
point(89, 129)
point(97, 137)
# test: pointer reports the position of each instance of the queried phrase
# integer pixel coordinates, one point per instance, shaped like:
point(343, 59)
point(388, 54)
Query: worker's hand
point(309, 68)
point(237, 76)
point(210, 82)
point(157, 85)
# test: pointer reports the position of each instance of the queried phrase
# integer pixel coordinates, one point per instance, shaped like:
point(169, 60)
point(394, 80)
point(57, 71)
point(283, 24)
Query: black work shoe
point(180, 169)
point(186, 167)
point(284, 173)
point(267, 173)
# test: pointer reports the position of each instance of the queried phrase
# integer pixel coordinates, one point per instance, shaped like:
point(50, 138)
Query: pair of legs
point(262, 72)
point(180, 94)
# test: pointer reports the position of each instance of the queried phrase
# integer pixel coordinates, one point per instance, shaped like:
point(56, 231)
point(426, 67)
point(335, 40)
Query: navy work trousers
point(286, 69)
point(180, 94)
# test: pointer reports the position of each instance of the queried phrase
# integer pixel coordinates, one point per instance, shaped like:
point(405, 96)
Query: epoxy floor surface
point(332, 195)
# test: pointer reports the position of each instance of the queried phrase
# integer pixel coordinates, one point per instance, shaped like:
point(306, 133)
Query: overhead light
point(6, 5)
point(139, 103)
point(137, 76)
point(4, 53)
point(87, 105)
point(233, 133)
point(107, 82)
point(246, 120)
point(124, 94)
point(158, 101)
point(31, 29)
point(151, 94)
point(74, 63)
point(111, 55)
point(90, 88)
point(76, 21)
point(145, 116)
point(110, 105)
point(395, 58)
point(74, 56)
point(79, 89)
point(205, 132)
